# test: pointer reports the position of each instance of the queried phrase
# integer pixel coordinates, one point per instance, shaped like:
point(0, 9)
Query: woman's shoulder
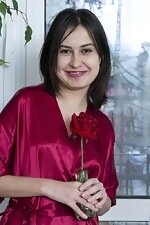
point(31, 90)
point(26, 95)
point(34, 93)
point(100, 115)
point(104, 121)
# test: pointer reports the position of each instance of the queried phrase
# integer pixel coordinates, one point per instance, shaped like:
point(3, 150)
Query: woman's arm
point(65, 192)
point(15, 186)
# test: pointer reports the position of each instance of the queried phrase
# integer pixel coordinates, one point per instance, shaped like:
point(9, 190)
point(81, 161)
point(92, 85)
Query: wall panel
point(23, 67)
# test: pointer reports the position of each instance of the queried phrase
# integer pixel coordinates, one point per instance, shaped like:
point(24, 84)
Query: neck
point(75, 101)
point(71, 102)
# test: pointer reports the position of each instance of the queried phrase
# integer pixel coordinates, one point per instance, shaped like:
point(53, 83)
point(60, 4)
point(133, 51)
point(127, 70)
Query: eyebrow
point(82, 46)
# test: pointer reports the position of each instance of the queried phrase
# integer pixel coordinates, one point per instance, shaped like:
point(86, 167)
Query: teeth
point(75, 73)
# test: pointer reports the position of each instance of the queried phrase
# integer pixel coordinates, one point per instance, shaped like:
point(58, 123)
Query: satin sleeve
point(8, 118)
point(110, 180)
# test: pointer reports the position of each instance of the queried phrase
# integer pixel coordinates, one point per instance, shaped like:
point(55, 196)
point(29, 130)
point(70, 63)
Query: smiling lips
point(76, 73)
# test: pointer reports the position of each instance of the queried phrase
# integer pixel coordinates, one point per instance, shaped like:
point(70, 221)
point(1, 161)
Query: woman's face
point(78, 62)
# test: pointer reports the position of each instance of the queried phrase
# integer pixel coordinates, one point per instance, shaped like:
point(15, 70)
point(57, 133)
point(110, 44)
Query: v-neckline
point(62, 119)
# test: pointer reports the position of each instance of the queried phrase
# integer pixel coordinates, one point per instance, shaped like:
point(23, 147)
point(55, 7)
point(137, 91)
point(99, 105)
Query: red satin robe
point(34, 142)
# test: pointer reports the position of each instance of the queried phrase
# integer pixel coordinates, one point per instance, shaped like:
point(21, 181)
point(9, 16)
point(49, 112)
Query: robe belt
point(30, 213)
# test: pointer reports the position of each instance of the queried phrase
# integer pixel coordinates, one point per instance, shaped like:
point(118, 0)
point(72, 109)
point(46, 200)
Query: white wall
point(23, 67)
point(129, 210)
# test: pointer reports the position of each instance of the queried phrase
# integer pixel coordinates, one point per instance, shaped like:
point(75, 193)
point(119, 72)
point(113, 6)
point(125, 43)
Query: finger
point(85, 197)
point(94, 202)
point(92, 190)
point(78, 211)
point(87, 204)
point(94, 198)
point(101, 202)
point(87, 184)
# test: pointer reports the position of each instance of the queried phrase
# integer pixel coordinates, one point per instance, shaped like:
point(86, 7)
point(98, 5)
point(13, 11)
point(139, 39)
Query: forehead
point(79, 35)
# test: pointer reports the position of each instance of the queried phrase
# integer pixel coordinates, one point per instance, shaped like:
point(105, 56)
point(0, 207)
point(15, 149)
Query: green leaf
point(3, 8)
point(2, 62)
point(9, 11)
point(15, 5)
point(0, 25)
point(28, 34)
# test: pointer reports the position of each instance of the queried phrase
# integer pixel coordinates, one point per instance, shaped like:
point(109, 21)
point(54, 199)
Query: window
point(128, 106)
point(129, 92)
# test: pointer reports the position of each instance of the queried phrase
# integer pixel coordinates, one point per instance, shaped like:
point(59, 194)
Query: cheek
point(61, 62)
point(96, 66)
point(95, 69)
point(93, 62)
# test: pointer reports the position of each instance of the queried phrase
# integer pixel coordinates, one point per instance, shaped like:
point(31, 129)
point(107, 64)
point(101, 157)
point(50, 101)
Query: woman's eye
point(65, 51)
point(86, 50)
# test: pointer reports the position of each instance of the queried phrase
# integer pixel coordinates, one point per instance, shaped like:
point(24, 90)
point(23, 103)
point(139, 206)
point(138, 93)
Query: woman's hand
point(94, 192)
point(67, 193)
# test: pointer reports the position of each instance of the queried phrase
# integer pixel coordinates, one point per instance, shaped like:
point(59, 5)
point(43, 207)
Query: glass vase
point(82, 176)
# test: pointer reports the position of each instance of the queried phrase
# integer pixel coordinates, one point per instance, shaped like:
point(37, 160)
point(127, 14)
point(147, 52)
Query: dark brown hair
point(71, 18)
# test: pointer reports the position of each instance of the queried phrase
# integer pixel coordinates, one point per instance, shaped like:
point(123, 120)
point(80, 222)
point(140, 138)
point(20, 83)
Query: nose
point(75, 60)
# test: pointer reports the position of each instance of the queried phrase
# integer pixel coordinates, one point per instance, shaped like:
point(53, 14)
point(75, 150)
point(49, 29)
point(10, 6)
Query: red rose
point(84, 126)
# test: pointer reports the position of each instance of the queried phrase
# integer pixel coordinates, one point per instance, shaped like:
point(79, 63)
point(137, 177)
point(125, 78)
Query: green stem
point(82, 154)
point(24, 16)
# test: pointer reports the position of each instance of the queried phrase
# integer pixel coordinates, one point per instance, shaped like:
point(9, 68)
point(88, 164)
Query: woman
point(39, 159)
